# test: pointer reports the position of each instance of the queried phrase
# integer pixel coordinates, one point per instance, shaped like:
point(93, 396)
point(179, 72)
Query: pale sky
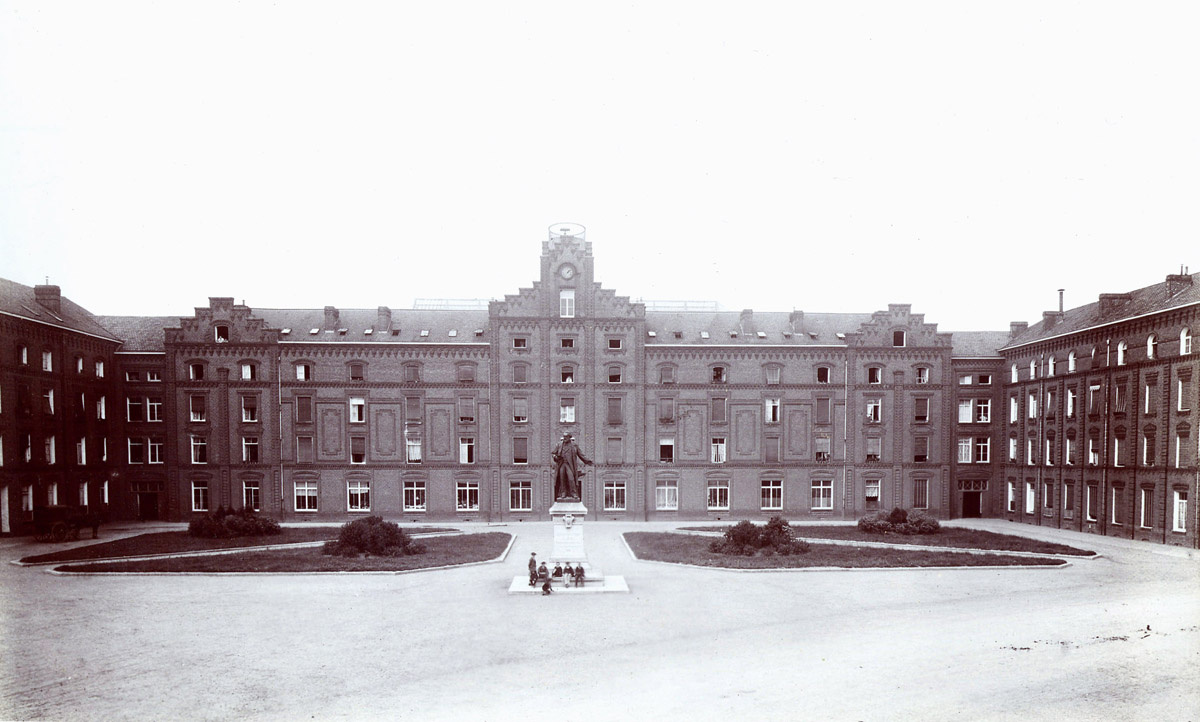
point(966, 158)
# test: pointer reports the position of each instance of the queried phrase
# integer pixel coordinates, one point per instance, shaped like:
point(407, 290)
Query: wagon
point(59, 523)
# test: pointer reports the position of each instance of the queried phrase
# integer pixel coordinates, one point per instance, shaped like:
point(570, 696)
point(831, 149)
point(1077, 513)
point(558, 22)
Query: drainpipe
point(845, 434)
point(279, 426)
point(1105, 453)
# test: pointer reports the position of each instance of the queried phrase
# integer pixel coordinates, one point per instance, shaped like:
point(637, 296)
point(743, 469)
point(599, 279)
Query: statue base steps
point(599, 585)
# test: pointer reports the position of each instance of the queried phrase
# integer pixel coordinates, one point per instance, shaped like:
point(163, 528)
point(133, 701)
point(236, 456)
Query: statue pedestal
point(568, 519)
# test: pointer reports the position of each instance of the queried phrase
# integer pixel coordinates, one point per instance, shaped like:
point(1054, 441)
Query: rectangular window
point(101, 410)
point(874, 448)
point(1117, 458)
point(920, 493)
point(358, 449)
point(983, 411)
point(616, 413)
point(872, 491)
point(822, 494)
point(822, 374)
point(719, 375)
point(196, 408)
point(964, 411)
point(772, 411)
point(137, 451)
point(771, 449)
point(666, 495)
point(154, 409)
point(133, 410)
point(1179, 511)
point(614, 374)
point(520, 411)
point(1069, 456)
point(718, 495)
point(153, 376)
point(718, 450)
point(772, 494)
point(1183, 390)
point(199, 449)
point(196, 372)
point(1048, 457)
point(773, 375)
point(199, 496)
point(520, 342)
point(83, 489)
point(1093, 400)
point(48, 402)
point(303, 372)
point(922, 375)
point(520, 373)
point(306, 495)
point(1147, 449)
point(412, 374)
point(874, 375)
point(822, 414)
point(304, 449)
point(520, 496)
point(154, 448)
point(466, 450)
point(1032, 405)
point(822, 447)
point(1093, 451)
point(251, 498)
point(466, 410)
point(1180, 441)
point(719, 415)
point(666, 450)
point(358, 410)
point(412, 446)
point(466, 496)
point(1069, 500)
point(614, 496)
point(874, 410)
point(1070, 403)
point(566, 342)
point(249, 409)
point(1013, 409)
point(466, 373)
point(99, 369)
point(566, 303)
point(1116, 508)
point(414, 496)
point(1030, 458)
point(520, 450)
point(249, 372)
point(666, 374)
point(1030, 498)
point(1011, 497)
point(1119, 400)
point(357, 372)
point(47, 361)
point(51, 450)
point(1092, 501)
point(1148, 399)
point(80, 452)
point(920, 414)
point(964, 450)
point(920, 448)
point(304, 410)
point(566, 411)
point(1147, 509)
point(614, 450)
point(250, 450)
point(358, 496)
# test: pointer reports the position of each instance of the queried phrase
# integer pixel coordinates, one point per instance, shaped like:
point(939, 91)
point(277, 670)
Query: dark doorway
point(147, 502)
point(971, 505)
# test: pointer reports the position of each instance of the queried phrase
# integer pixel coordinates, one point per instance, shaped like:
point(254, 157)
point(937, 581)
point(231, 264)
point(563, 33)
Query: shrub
point(373, 536)
point(899, 521)
point(747, 539)
point(225, 524)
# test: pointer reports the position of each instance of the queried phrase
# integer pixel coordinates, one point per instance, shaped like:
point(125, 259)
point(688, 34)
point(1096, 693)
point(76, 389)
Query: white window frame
point(983, 450)
point(666, 495)
point(772, 411)
point(200, 500)
point(358, 410)
point(520, 496)
point(1146, 510)
point(358, 491)
point(771, 494)
point(566, 303)
point(199, 444)
point(821, 495)
point(154, 450)
point(466, 449)
point(251, 495)
point(1030, 498)
point(304, 496)
point(718, 495)
point(48, 361)
point(614, 495)
point(248, 443)
point(965, 450)
point(154, 409)
point(718, 453)
point(466, 496)
point(1185, 342)
point(415, 496)
point(1179, 502)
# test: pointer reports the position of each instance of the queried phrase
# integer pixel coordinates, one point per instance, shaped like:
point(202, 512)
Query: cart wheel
point(58, 532)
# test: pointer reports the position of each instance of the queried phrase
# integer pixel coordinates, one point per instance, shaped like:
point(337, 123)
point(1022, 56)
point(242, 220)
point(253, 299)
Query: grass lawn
point(441, 551)
point(170, 542)
point(947, 537)
point(690, 549)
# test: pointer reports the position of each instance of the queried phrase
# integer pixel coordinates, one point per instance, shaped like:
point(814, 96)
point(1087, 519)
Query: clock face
point(567, 271)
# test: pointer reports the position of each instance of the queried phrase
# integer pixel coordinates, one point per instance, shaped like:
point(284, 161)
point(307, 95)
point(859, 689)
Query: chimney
point(1016, 328)
point(49, 296)
point(383, 321)
point(1060, 299)
point(746, 321)
point(1051, 318)
point(1113, 302)
point(796, 320)
point(332, 319)
point(1176, 282)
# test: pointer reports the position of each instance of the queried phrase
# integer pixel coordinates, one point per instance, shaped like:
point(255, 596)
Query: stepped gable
point(607, 304)
point(898, 317)
point(978, 344)
point(1176, 291)
point(46, 304)
point(521, 304)
point(139, 333)
point(243, 326)
point(751, 328)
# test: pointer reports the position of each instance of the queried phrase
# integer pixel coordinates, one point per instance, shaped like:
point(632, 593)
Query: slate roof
point(777, 328)
point(978, 344)
point(139, 333)
point(1143, 301)
point(406, 325)
point(20, 300)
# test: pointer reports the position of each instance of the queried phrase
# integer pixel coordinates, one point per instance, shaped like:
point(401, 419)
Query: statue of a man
point(567, 469)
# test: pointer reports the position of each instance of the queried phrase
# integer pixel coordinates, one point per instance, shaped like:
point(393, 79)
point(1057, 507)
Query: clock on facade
point(567, 271)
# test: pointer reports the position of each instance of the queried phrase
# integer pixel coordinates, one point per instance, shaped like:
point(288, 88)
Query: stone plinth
point(568, 519)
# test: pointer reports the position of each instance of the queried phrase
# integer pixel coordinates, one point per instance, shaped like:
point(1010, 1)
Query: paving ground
point(1114, 638)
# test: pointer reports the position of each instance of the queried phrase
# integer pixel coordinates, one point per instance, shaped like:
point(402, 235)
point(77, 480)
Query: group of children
point(540, 573)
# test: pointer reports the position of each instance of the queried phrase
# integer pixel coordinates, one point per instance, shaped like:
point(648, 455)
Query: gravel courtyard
point(1116, 637)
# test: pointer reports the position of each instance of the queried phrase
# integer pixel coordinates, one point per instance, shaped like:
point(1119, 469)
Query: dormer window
point(221, 333)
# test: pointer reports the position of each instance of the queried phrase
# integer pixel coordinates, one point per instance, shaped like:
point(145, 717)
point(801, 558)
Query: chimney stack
point(383, 321)
point(1060, 299)
point(49, 296)
point(1113, 302)
point(1016, 328)
point(332, 317)
point(1178, 282)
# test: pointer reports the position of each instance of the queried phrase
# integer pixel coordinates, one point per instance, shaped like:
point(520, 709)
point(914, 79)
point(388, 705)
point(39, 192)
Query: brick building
point(688, 412)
